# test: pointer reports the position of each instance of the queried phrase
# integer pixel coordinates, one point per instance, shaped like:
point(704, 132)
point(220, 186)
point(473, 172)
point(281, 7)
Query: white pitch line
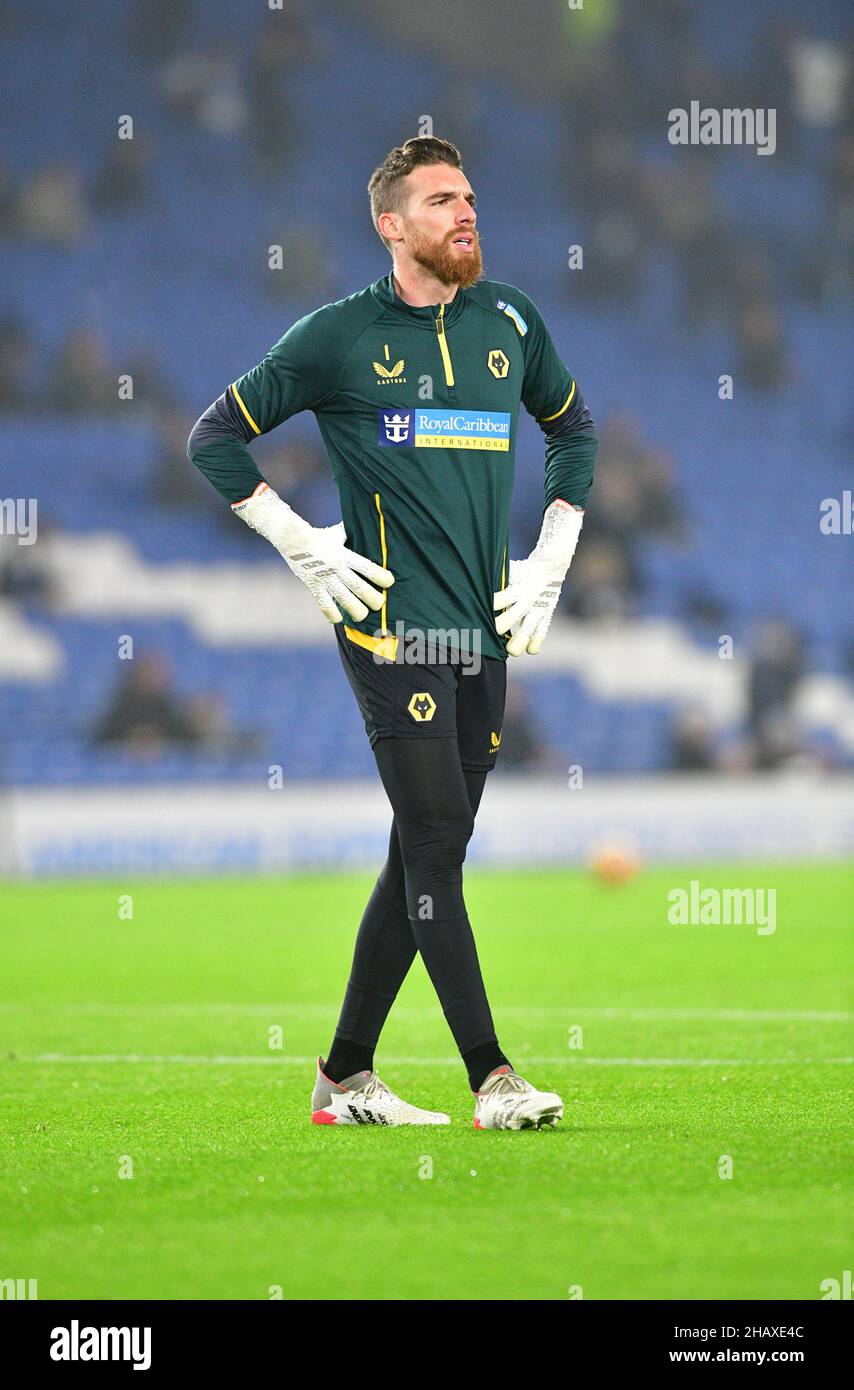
point(190, 1059)
point(429, 1011)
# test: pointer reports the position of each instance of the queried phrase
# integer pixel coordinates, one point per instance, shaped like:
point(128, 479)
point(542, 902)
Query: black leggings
point(417, 903)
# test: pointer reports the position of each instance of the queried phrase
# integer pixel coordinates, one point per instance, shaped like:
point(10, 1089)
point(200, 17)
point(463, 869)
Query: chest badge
point(498, 363)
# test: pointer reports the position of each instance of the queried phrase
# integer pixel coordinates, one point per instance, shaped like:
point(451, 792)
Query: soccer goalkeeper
point(416, 383)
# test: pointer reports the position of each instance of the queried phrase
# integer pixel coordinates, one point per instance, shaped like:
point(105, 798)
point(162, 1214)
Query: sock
point(480, 1061)
point(346, 1058)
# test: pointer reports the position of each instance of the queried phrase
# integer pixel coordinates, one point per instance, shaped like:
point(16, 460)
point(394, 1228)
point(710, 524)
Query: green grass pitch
point(149, 1040)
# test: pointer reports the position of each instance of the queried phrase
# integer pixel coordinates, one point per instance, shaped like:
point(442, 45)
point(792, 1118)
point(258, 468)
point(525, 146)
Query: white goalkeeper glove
point(530, 599)
point(335, 577)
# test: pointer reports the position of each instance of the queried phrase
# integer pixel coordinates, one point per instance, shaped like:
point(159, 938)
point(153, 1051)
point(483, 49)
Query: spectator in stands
point(751, 276)
point(293, 468)
point(145, 713)
point(16, 350)
point(781, 744)
point(150, 388)
point(833, 266)
point(604, 583)
point(613, 179)
point(25, 570)
point(775, 674)
point(288, 467)
point(463, 106)
point(625, 87)
point(522, 750)
point(84, 382)
point(310, 269)
point(160, 26)
point(175, 484)
point(209, 717)
point(770, 81)
point(660, 512)
point(656, 43)
point(635, 497)
point(762, 350)
point(635, 490)
point(614, 258)
point(599, 103)
point(693, 743)
point(8, 203)
point(608, 182)
point(122, 184)
point(204, 89)
point(619, 499)
point(283, 46)
point(52, 206)
point(690, 222)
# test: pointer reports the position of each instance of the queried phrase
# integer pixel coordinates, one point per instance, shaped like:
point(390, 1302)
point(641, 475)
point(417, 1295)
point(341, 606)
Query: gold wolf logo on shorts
point(422, 707)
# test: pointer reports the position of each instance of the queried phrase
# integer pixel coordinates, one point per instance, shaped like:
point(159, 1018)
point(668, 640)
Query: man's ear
point(388, 224)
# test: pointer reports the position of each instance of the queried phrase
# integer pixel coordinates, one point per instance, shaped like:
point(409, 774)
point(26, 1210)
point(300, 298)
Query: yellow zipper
point(443, 346)
point(384, 610)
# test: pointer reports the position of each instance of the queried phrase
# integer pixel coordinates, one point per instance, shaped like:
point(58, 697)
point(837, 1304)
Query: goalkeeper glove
point(318, 556)
point(530, 599)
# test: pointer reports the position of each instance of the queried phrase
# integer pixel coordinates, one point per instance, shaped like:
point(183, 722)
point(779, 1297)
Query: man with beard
point(416, 384)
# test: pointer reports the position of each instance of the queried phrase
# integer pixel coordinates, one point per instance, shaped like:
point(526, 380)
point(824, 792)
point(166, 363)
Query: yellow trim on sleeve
point(236, 395)
point(503, 567)
point(443, 347)
point(544, 419)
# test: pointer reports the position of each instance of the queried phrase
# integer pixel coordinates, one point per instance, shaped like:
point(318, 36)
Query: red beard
point(450, 266)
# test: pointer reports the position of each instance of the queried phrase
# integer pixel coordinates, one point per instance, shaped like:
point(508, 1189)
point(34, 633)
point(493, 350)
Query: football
point(616, 861)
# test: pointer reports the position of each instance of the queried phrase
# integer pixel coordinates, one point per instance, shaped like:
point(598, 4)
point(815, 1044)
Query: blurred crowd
point(638, 200)
point(641, 198)
point(635, 498)
point(147, 715)
point(771, 737)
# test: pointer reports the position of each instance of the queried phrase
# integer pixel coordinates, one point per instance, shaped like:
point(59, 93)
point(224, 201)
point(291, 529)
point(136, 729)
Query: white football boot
point(362, 1099)
point(507, 1101)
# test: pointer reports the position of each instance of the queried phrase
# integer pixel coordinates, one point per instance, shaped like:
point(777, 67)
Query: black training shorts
point(398, 699)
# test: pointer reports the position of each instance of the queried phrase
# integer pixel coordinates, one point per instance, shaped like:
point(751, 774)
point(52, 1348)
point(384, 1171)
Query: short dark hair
point(386, 184)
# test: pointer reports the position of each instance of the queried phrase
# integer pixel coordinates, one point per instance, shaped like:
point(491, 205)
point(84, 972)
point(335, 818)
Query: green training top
point(418, 409)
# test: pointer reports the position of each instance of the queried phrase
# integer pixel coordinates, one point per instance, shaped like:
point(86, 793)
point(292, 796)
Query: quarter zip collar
point(424, 316)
